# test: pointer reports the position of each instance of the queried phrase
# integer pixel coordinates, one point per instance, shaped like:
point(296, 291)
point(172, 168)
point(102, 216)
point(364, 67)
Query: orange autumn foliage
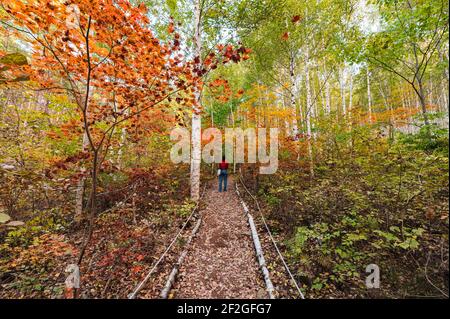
point(104, 54)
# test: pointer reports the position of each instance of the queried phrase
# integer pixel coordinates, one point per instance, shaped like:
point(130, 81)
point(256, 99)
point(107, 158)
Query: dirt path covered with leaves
point(221, 262)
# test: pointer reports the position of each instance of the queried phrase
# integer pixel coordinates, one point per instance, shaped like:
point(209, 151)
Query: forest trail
point(221, 262)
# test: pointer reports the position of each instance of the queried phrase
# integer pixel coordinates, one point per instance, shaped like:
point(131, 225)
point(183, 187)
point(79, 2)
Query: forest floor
point(221, 262)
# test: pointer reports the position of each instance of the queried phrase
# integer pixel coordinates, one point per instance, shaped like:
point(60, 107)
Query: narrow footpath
point(221, 261)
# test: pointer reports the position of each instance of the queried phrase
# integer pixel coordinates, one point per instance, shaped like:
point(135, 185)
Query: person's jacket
point(223, 165)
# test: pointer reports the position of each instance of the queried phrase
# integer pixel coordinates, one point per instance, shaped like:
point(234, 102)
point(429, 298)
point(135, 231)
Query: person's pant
point(223, 180)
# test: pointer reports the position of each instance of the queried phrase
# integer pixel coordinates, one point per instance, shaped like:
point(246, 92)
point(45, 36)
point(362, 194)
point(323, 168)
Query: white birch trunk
point(430, 94)
point(327, 93)
point(445, 85)
point(444, 98)
point(408, 100)
point(309, 108)
point(81, 182)
point(234, 144)
point(350, 99)
point(342, 87)
point(369, 95)
point(294, 89)
point(286, 122)
point(80, 185)
point(315, 110)
point(321, 79)
point(403, 99)
point(196, 117)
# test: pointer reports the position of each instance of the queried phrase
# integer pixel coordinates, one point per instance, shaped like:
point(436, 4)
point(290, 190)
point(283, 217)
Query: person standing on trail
point(223, 174)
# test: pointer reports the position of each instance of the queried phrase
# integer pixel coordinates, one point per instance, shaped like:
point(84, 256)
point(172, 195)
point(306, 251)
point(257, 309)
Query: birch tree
point(196, 117)
point(406, 46)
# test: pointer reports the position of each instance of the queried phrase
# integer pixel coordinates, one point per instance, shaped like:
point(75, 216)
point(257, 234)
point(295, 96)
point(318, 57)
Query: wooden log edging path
point(172, 282)
point(172, 276)
point(258, 249)
point(302, 296)
point(142, 284)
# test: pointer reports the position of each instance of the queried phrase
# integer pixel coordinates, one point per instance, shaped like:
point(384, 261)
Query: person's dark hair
point(223, 157)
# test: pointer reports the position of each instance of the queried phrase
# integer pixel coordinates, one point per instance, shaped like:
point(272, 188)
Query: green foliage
point(14, 59)
point(44, 222)
point(173, 212)
point(368, 202)
point(430, 138)
point(405, 238)
point(182, 210)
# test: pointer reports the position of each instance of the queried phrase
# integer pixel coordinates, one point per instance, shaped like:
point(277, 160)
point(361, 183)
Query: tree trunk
point(423, 105)
point(93, 206)
point(445, 84)
point(350, 99)
point(123, 137)
point(293, 93)
point(308, 97)
point(403, 98)
point(234, 144)
point(285, 121)
point(444, 98)
point(420, 91)
point(327, 93)
point(309, 107)
point(430, 92)
point(80, 186)
point(342, 88)
point(196, 117)
point(369, 96)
